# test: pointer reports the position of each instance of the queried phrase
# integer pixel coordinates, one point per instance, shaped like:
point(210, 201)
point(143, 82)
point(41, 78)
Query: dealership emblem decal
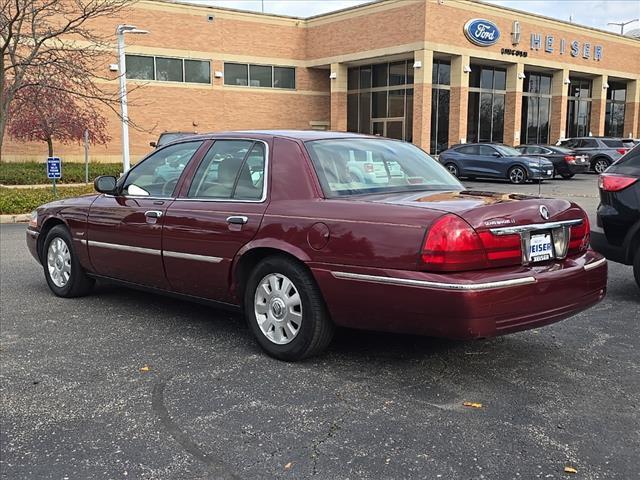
point(481, 32)
point(544, 212)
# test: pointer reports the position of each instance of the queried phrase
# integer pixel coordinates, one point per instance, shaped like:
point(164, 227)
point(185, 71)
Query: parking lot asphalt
point(124, 384)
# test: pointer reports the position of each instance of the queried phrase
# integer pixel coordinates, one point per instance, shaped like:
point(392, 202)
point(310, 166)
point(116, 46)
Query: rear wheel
point(453, 169)
point(567, 176)
point(636, 267)
point(65, 276)
point(517, 175)
point(599, 165)
point(285, 310)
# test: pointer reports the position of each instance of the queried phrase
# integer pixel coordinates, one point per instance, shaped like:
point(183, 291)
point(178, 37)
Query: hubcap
point(278, 308)
point(517, 175)
point(453, 170)
point(59, 262)
point(601, 166)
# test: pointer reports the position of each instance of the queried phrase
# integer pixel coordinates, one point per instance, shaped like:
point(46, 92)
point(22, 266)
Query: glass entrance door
point(388, 127)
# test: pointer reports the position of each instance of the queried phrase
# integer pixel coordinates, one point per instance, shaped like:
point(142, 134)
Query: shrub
point(14, 201)
point(34, 173)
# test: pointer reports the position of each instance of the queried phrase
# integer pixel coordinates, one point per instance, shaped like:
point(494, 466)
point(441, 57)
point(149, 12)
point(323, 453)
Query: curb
point(21, 218)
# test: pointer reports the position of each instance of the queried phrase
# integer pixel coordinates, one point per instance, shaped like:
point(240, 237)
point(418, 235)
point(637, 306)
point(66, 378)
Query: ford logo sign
point(481, 32)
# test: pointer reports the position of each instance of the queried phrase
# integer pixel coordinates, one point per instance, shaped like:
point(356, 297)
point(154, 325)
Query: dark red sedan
point(308, 230)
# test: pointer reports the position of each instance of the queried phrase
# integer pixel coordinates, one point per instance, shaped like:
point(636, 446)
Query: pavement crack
point(216, 468)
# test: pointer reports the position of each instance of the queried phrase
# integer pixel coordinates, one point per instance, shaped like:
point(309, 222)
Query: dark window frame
point(272, 66)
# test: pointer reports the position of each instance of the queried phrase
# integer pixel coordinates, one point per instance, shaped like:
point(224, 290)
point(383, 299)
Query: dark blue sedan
point(492, 160)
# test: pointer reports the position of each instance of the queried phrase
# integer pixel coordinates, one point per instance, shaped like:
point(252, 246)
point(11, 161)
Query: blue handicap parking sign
point(54, 167)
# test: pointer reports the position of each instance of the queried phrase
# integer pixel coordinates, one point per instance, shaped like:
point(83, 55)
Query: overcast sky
point(594, 13)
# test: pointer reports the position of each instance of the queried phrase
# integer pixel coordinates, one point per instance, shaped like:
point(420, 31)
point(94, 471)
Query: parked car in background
point(616, 234)
point(305, 246)
point(168, 137)
point(566, 163)
point(494, 160)
point(602, 151)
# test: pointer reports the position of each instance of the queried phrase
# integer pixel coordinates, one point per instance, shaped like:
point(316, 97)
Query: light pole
point(122, 71)
point(622, 24)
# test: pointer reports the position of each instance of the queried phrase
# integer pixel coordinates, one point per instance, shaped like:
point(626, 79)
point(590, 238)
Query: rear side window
point(613, 143)
point(469, 150)
point(588, 143)
point(231, 169)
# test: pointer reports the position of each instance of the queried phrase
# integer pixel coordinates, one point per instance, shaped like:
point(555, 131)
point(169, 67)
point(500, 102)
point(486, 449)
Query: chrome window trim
point(534, 226)
point(596, 264)
point(191, 256)
point(436, 285)
point(265, 186)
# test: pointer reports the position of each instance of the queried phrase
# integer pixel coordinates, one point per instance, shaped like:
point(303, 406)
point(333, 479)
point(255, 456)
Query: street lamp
point(122, 69)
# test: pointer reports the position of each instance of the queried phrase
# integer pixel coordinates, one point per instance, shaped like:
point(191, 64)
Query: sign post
point(86, 155)
point(54, 171)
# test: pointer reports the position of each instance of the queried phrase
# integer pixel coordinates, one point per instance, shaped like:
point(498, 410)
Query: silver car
point(602, 151)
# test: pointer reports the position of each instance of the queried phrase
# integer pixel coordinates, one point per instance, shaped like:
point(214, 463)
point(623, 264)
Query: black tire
point(517, 175)
point(78, 283)
point(636, 267)
point(453, 169)
point(567, 176)
point(600, 164)
point(315, 329)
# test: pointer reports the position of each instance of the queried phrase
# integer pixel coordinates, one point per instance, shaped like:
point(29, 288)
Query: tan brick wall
point(458, 104)
point(512, 118)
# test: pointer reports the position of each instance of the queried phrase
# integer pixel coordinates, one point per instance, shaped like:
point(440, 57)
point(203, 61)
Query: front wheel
point(600, 165)
point(517, 175)
point(567, 176)
point(65, 276)
point(285, 310)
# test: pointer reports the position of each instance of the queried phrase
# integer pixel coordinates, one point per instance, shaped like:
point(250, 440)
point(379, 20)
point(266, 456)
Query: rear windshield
point(352, 166)
point(613, 143)
point(562, 150)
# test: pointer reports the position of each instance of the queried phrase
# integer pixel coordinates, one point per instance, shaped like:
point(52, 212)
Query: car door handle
point(153, 214)
point(237, 220)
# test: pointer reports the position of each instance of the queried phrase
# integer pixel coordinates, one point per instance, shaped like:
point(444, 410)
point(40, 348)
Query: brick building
point(420, 70)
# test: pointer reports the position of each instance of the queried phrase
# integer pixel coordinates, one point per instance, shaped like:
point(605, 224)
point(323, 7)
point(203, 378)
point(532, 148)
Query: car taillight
point(610, 182)
point(579, 238)
point(368, 167)
point(622, 151)
point(570, 159)
point(452, 245)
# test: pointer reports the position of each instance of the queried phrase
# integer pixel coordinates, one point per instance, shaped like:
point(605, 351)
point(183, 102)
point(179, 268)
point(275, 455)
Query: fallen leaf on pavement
point(570, 470)
point(288, 465)
point(145, 368)
point(472, 404)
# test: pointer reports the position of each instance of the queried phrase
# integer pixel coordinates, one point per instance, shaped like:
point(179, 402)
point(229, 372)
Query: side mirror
point(153, 144)
point(105, 184)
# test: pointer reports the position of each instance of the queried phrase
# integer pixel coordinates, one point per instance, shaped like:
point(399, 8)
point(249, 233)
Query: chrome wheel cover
point(453, 170)
point(600, 166)
point(517, 175)
point(278, 308)
point(59, 262)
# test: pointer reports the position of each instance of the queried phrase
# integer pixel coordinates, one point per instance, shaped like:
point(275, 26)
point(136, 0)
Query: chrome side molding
point(596, 264)
point(437, 285)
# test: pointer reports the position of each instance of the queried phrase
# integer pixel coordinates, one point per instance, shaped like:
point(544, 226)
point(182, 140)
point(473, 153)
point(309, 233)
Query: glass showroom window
point(485, 114)
point(441, 79)
point(263, 76)
point(614, 116)
point(168, 69)
point(536, 109)
point(380, 99)
point(579, 108)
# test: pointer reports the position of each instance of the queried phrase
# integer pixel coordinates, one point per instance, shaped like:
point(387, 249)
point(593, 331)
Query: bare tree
point(55, 45)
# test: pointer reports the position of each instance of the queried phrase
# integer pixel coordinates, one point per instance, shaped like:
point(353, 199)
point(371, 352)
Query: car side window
point(158, 174)
point(486, 150)
point(231, 169)
point(588, 143)
point(570, 143)
point(468, 150)
point(534, 150)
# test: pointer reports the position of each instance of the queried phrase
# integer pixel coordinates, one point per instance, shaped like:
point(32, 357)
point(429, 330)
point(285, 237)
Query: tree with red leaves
point(52, 113)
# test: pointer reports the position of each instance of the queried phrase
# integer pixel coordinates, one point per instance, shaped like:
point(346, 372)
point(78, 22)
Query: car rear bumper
point(601, 245)
point(463, 306)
